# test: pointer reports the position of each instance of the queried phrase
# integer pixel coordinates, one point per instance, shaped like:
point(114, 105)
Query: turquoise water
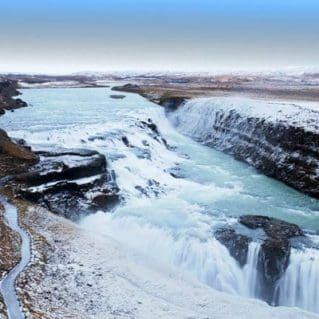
point(170, 220)
point(218, 184)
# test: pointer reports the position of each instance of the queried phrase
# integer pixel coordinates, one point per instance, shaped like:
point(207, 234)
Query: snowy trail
point(7, 286)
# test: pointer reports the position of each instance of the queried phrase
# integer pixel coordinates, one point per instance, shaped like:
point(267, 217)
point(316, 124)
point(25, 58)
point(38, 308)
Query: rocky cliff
point(68, 182)
point(8, 90)
point(15, 157)
point(281, 139)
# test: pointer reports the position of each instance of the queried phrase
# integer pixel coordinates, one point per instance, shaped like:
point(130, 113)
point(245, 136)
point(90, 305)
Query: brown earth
point(158, 89)
point(14, 159)
point(9, 252)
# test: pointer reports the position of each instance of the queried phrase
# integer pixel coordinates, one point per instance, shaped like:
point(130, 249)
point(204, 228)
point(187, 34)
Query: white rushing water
point(299, 286)
point(168, 220)
point(198, 115)
point(250, 272)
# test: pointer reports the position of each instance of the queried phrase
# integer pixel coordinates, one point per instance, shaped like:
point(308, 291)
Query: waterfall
point(299, 287)
point(250, 272)
point(210, 262)
point(246, 128)
point(206, 260)
point(258, 133)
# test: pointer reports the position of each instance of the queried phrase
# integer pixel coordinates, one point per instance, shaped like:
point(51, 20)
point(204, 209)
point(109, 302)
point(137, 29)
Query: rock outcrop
point(70, 183)
point(8, 90)
point(273, 227)
point(279, 139)
point(18, 151)
point(275, 250)
point(273, 258)
point(170, 100)
point(14, 157)
point(282, 143)
point(17, 162)
point(237, 244)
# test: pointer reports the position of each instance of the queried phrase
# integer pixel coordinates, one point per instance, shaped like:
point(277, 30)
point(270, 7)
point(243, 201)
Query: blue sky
point(74, 35)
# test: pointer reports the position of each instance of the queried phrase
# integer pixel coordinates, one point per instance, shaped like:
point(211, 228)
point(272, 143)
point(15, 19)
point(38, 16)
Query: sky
point(64, 36)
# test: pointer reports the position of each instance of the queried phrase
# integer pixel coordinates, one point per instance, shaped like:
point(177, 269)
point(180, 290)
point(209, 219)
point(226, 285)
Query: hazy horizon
point(166, 35)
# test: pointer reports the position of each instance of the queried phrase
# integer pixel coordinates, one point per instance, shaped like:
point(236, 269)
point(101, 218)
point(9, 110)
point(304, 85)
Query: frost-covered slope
point(279, 138)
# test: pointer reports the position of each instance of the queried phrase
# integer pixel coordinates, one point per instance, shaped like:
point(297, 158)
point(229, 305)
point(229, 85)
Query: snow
point(51, 84)
point(302, 114)
point(103, 279)
point(80, 181)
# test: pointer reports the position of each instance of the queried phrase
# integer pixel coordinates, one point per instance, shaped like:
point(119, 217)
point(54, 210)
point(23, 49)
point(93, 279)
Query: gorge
point(171, 205)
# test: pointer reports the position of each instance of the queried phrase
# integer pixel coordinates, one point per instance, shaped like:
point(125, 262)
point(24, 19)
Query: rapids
point(175, 197)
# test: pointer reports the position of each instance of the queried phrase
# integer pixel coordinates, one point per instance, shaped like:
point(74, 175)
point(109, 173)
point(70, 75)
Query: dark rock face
point(15, 157)
point(284, 148)
point(71, 183)
point(16, 150)
point(172, 103)
point(8, 89)
point(126, 141)
point(275, 250)
point(237, 244)
point(273, 262)
point(273, 227)
point(286, 153)
point(273, 258)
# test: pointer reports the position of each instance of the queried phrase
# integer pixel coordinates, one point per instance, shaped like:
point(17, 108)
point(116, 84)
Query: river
point(170, 219)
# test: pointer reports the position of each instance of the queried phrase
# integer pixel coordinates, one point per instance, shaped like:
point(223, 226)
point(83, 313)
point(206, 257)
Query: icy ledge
point(281, 139)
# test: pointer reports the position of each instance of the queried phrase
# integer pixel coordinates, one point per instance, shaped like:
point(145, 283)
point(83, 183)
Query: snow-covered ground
point(92, 276)
point(299, 113)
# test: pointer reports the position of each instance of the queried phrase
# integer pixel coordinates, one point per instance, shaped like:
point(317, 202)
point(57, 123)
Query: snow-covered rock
point(281, 139)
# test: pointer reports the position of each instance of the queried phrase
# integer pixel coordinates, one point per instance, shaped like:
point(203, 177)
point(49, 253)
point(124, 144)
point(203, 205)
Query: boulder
point(273, 227)
point(106, 200)
point(8, 90)
point(275, 250)
point(117, 96)
point(273, 257)
point(71, 183)
point(273, 262)
point(236, 244)
point(126, 141)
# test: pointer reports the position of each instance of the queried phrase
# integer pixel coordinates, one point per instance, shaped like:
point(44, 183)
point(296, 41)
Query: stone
point(273, 227)
point(236, 244)
point(117, 96)
point(64, 183)
point(275, 250)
